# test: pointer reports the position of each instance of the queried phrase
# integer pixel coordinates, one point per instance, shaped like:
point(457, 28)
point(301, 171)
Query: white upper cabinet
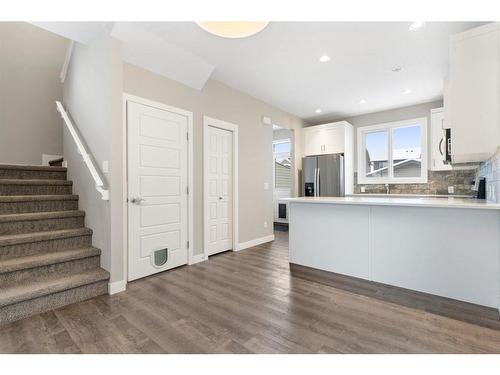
point(473, 93)
point(325, 139)
point(438, 141)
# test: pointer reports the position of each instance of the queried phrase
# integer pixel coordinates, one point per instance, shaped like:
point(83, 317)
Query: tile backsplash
point(490, 169)
point(438, 182)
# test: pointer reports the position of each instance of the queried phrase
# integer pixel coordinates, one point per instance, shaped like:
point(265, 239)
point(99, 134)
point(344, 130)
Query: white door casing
point(220, 196)
point(220, 189)
point(157, 188)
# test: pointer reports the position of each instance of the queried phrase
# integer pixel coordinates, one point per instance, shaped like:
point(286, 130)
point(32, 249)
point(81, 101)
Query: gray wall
point(255, 139)
point(92, 96)
point(30, 63)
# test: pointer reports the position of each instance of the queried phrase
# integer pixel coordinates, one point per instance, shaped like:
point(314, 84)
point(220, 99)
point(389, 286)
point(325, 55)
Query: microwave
point(447, 139)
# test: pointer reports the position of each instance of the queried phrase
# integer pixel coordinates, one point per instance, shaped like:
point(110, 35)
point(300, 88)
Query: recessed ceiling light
point(318, 110)
point(416, 25)
point(407, 91)
point(324, 58)
point(397, 69)
point(362, 101)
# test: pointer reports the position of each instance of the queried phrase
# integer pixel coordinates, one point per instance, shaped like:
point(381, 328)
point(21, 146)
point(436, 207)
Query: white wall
point(255, 142)
point(92, 96)
point(30, 63)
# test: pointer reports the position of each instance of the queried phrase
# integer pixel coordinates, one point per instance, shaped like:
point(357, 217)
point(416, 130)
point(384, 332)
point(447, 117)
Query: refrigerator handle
point(317, 182)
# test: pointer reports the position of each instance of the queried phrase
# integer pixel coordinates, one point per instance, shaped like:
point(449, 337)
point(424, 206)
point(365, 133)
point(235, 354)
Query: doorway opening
point(282, 176)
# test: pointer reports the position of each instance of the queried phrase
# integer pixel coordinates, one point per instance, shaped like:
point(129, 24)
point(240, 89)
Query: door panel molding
point(207, 122)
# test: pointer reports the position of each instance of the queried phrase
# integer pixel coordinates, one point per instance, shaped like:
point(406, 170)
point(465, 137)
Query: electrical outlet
point(265, 224)
point(363, 189)
point(451, 190)
point(266, 185)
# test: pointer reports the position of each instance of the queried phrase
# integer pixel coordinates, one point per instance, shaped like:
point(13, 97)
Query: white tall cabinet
point(472, 93)
point(332, 138)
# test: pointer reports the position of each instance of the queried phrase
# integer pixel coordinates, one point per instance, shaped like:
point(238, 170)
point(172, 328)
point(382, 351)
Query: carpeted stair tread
point(34, 182)
point(33, 167)
point(37, 260)
point(40, 215)
point(33, 198)
point(39, 288)
point(43, 236)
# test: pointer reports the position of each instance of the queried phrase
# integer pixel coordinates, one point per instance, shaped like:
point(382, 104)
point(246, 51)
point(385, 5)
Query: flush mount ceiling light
point(416, 25)
point(318, 110)
point(324, 58)
point(407, 91)
point(362, 101)
point(233, 29)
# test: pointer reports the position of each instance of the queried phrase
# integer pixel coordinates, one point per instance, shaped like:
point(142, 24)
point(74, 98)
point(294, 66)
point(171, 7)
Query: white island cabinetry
point(446, 247)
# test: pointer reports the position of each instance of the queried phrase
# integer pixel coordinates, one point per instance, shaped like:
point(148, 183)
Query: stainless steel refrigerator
point(323, 176)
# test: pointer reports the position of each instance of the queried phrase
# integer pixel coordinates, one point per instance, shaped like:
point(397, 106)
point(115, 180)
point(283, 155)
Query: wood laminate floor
point(246, 302)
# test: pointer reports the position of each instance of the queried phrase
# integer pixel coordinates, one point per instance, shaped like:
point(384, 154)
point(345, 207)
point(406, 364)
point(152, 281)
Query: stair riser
point(8, 189)
point(30, 226)
point(65, 268)
point(32, 175)
point(31, 248)
point(37, 206)
point(25, 309)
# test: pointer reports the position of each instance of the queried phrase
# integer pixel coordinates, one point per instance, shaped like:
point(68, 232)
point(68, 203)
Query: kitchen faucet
point(387, 189)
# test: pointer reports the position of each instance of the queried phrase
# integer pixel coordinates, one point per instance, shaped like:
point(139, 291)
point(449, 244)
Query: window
point(395, 152)
point(282, 164)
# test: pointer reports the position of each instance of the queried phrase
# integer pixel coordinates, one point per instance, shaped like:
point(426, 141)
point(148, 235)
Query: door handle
point(136, 200)
point(220, 198)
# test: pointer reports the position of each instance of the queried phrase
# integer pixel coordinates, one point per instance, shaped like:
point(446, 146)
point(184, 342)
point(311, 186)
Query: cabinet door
point(334, 140)
point(474, 70)
point(438, 142)
point(313, 142)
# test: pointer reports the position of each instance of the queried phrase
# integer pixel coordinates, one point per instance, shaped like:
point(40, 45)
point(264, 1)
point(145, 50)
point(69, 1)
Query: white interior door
point(157, 189)
point(220, 190)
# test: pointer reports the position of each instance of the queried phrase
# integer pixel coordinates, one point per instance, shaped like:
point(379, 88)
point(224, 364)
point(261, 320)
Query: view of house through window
point(393, 152)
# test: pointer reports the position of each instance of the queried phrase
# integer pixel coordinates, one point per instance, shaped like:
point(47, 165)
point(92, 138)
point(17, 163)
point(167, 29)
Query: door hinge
point(188, 244)
point(187, 136)
point(187, 190)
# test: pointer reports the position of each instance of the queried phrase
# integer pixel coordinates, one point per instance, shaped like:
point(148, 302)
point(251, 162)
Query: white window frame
point(389, 127)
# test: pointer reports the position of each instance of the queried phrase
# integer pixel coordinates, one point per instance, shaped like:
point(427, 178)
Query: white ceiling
point(280, 65)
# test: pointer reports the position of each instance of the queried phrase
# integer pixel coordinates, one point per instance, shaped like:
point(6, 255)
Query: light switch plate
point(105, 166)
point(266, 185)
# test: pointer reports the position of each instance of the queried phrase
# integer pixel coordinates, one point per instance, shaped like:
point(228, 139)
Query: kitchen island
point(448, 247)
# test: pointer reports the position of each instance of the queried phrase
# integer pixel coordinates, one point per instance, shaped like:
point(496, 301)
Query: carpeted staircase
point(46, 254)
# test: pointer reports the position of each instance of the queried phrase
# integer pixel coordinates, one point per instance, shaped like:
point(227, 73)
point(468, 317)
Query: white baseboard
point(255, 242)
point(117, 287)
point(197, 259)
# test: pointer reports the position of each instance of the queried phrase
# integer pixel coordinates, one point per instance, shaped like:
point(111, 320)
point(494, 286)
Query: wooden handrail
point(99, 184)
